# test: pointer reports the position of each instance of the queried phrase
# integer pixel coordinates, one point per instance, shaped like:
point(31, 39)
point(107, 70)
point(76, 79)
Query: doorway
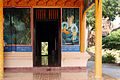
point(47, 40)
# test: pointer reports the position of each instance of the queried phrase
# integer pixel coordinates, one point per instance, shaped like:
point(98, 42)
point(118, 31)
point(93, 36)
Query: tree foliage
point(119, 7)
point(109, 9)
point(91, 17)
point(108, 58)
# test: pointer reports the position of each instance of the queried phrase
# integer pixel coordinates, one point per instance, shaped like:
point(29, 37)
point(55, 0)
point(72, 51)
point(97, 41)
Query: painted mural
point(17, 26)
point(70, 26)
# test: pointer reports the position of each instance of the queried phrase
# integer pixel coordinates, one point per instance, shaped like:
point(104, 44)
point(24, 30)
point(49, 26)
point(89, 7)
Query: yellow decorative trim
point(82, 29)
point(88, 9)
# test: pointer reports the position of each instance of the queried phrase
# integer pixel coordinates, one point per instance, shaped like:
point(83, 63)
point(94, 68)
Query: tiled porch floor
point(53, 75)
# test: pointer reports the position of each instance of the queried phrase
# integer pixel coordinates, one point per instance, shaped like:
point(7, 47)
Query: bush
point(108, 58)
point(112, 41)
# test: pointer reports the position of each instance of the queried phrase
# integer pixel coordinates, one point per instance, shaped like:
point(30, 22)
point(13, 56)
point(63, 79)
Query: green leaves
point(108, 58)
point(44, 48)
point(91, 17)
point(110, 8)
point(112, 41)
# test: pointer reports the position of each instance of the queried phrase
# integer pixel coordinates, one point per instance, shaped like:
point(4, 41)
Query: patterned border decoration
point(47, 3)
point(70, 48)
point(18, 49)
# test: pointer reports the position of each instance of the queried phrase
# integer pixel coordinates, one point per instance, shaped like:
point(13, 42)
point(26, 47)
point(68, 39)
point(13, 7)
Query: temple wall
point(25, 59)
point(22, 56)
point(74, 59)
point(18, 59)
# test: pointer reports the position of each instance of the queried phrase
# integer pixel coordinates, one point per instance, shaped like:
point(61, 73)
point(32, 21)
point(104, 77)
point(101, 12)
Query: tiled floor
point(53, 75)
point(109, 69)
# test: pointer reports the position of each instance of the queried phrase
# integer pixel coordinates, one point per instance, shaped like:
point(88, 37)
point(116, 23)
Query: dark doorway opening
point(47, 41)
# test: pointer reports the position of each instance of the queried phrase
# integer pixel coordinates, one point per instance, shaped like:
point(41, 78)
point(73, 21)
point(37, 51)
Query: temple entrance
point(47, 38)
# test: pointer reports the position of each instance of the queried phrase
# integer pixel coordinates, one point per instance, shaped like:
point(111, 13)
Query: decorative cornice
point(42, 3)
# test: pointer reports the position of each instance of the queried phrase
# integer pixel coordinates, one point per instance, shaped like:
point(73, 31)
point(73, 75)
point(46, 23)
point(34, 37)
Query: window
point(17, 26)
point(44, 53)
point(44, 48)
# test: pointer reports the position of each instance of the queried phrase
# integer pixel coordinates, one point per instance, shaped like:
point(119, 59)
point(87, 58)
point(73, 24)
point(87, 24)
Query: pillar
point(82, 29)
point(1, 40)
point(98, 38)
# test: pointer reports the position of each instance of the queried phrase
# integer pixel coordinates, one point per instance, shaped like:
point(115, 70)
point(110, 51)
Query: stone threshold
point(46, 69)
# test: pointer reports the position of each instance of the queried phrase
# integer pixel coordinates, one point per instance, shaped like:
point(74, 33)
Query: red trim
point(59, 68)
point(44, 14)
point(49, 13)
point(46, 69)
point(53, 13)
point(61, 26)
point(32, 26)
point(70, 45)
point(58, 43)
point(58, 14)
point(40, 14)
point(58, 40)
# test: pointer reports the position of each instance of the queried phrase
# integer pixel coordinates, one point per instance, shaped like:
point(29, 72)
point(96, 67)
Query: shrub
point(108, 58)
point(112, 41)
point(87, 49)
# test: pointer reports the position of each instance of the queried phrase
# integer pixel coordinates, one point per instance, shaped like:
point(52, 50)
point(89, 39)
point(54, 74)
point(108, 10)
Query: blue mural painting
point(17, 26)
point(70, 26)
